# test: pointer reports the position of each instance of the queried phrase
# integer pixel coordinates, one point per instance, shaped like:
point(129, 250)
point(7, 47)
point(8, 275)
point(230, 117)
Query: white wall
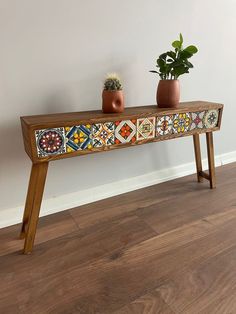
point(55, 53)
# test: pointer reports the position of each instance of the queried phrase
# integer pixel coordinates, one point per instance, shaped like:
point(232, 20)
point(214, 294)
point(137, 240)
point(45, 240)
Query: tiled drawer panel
point(86, 137)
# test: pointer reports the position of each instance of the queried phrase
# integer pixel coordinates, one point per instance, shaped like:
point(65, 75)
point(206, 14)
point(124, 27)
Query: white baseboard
point(13, 216)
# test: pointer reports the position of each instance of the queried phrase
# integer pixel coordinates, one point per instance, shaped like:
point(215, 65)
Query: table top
point(62, 135)
point(71, 118)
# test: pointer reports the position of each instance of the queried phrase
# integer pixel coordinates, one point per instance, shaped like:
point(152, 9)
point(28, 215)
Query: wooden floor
point(169, 248)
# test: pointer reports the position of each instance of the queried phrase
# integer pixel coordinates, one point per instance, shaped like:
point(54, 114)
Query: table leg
point(29, 200)
point(198, 158)
point(33, 203)
point(211, 161)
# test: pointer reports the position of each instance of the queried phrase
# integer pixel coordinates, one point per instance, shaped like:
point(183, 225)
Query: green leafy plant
point(112, 82)
point(172, 64)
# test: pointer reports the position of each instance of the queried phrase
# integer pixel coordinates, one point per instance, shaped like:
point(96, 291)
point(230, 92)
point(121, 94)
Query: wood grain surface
point(71, 118)
point(32, 123)
point(168, 248)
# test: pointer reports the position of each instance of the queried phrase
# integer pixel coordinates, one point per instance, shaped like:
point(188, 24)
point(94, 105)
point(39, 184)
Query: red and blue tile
point(103, 134)
point(78, 138)
point(164, 125)
point(197, 120)
point(181, 122)
point(125, 131)
point(50, 142)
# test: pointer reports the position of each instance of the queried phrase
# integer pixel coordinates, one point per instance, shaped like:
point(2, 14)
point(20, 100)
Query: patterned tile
point(103, 134)
point(50, 142)
point(197, 120)
point(146, 128)
point(211, 118)
point(164, 125)
point(181, 122)
point(78, 138)
point(125, 131)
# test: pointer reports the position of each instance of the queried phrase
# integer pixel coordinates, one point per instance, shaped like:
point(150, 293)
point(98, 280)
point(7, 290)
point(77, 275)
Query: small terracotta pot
point(168, 93)
point(112, 101)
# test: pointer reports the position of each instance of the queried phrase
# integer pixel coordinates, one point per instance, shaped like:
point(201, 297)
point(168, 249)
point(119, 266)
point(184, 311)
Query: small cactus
point(112, 82)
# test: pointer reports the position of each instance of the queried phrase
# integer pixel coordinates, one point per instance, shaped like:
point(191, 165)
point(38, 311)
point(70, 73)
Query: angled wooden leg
point(29, 200)
point(198, 158)
point(33, 203)
point(211, 161)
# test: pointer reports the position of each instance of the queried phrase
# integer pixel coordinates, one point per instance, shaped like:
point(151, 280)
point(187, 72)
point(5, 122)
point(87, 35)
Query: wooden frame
point(211, 162)
point(31, 125)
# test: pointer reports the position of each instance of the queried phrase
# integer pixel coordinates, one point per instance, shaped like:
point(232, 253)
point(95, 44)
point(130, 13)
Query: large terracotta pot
point(168, 93)
point(112, 101)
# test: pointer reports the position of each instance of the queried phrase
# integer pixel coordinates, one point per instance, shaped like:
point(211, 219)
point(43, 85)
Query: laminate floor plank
point(164, 206)
point(107, 209)
point(168, 248)
point(188, 207)
point(112, 281)
point(201, 289)
point(60, 257)
point(222, 305)
point(150, 303)
point(169, 215)
point(49, 227)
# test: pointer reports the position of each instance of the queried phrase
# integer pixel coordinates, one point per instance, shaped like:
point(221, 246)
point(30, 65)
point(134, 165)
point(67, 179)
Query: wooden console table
point(56, 136)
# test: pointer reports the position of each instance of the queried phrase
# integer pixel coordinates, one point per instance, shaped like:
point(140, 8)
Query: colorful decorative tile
point(146, 128)
point(103, 134)
point(197, 120)
point(50, 142)
point(125, 131)
point(164, 125)
point(181, 122)
point(211, 118)
point(78, 138)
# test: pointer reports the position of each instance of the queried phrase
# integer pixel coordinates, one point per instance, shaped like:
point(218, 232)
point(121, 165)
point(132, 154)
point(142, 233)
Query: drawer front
point(88, 137)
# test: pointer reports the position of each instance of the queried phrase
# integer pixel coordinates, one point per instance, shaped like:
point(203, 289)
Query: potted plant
point(112, 95)
point(171, 65)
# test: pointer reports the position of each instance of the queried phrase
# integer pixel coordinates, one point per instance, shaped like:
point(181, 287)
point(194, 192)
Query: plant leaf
point(176, 44)
point(162, 56)
point(154, 71)
point(171, 54)
point(191, 49)
point(184, 54)
point(161, 62)
point(181, 38)
point(189, 64)
point(177, 63)
point(179, 70)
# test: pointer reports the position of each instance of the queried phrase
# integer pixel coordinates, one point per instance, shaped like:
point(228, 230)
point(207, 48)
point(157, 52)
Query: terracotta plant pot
point(112, 101)
point(168, 94)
